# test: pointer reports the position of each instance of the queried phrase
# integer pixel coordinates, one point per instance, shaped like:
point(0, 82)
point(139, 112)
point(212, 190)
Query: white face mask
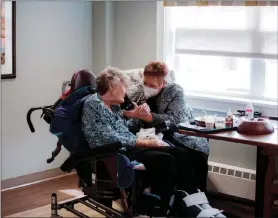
point(150, 92)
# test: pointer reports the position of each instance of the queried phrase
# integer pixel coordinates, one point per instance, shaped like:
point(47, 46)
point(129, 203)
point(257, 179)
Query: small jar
point(229, 121)
point(220, 123)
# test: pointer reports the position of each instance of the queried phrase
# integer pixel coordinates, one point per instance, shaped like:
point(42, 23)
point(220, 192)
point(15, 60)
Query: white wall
point(54, 39)
point(0, 136)
point(124, 34)
point(103, 34)
point(99, 36)
point(135, 34)
point(110, 31)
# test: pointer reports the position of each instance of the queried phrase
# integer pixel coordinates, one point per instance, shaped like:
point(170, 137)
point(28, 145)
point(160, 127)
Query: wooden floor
point(45, 211)
point(37, 195)
point(35, 200)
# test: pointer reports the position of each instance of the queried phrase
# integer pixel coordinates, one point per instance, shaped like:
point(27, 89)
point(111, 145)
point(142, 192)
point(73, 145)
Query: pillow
point(136, 76)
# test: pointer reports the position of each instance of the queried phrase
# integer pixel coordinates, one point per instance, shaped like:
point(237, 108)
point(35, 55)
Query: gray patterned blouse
point(101, 126)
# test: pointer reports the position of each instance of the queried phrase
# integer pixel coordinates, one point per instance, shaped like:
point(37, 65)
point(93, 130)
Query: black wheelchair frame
point(91, 192)
point(95, 191)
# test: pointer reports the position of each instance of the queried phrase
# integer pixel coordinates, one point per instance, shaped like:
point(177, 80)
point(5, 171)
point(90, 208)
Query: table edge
point(235, 140)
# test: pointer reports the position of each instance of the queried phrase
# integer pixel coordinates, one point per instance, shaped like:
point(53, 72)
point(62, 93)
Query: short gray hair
point(110, 75)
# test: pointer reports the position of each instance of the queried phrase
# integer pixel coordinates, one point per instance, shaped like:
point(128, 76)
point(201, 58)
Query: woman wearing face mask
point(160, 101)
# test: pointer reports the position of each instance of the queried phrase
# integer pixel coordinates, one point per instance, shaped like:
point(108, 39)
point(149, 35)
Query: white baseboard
point(231, 180)
point(33, 178)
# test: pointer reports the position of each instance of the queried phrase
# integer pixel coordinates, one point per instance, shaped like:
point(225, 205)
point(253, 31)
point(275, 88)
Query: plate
point(200, 121)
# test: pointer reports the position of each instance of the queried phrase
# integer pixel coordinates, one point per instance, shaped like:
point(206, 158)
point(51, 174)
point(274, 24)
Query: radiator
point(231, 180)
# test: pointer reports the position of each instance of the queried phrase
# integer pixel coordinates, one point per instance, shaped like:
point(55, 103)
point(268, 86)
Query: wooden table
point(261, 142)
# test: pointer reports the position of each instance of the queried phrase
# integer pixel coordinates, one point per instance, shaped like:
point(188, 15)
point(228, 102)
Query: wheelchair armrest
point(95, 153)
point(165, 126)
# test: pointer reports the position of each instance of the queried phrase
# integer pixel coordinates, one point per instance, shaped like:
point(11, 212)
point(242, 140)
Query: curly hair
point(110, 75)
point(156, 68)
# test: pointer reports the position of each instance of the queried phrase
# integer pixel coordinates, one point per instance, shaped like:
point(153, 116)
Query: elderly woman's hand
point(132, 113)
point(161, 143)
point(150, 143)
point(141, 112)
point(144, 109)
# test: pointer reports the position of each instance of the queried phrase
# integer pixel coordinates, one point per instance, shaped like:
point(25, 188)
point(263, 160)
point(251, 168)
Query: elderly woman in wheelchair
point(169, 173)
point(158, 178)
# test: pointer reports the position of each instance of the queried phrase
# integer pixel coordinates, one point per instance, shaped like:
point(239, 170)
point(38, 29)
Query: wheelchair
point(99, 179)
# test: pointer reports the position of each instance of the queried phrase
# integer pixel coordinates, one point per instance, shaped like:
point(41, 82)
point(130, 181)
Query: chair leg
point(54, 205)
point(268, 206)
point(127, 211)
point(133, 197)
point(269, 196)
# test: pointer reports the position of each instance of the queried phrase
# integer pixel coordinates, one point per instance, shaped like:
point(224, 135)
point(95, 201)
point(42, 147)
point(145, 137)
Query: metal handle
point(64, 86)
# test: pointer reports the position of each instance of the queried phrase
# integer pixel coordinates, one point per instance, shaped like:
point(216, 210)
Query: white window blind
point(224, 50)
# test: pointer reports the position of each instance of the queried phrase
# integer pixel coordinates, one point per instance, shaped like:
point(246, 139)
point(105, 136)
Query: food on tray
point(203, 118)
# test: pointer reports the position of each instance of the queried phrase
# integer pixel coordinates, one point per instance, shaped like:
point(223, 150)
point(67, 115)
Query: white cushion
point(136, 76)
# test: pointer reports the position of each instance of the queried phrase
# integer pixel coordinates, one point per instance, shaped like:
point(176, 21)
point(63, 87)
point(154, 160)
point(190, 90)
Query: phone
point(127, 105)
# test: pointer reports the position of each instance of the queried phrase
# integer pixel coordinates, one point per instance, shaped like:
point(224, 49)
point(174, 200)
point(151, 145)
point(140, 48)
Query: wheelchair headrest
point(82, 78)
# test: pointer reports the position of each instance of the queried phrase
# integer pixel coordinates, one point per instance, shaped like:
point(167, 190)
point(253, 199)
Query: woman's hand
point(150, 143)
point(144, 109)
point(141, 112)
point(138, 111)
point(162, 143)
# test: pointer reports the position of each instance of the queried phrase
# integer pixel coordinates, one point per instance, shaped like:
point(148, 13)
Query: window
point(226, 51)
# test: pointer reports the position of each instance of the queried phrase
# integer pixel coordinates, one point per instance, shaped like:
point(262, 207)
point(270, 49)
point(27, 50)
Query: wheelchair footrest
point(105, 210)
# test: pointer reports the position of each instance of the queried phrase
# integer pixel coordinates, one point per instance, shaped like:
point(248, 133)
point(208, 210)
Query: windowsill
point(223, 103)
point(228, 99)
